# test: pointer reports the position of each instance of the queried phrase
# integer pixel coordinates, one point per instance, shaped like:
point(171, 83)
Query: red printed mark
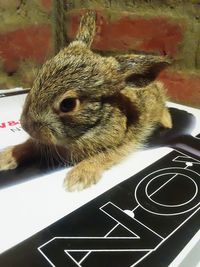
point(8, 124)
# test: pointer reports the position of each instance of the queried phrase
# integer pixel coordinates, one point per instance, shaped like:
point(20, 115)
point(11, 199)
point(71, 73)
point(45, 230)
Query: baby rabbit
point(91, 110)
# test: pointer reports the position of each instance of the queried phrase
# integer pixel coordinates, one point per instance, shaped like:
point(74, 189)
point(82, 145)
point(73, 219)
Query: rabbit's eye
point(68, 104)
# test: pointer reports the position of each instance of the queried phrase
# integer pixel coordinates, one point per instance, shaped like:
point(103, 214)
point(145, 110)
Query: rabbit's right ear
point(87, 28)
point(139, 70)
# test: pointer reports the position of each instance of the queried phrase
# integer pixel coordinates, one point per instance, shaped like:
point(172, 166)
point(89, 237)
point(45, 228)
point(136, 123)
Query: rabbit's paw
point(81, 177)
point(7, 161)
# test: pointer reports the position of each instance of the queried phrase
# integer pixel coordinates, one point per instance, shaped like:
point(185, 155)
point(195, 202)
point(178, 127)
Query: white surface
point(29, 207)
point(189, 256)
point(17, 89)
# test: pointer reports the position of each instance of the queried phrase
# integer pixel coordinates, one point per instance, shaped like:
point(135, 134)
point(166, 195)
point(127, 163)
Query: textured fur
point(118, 106)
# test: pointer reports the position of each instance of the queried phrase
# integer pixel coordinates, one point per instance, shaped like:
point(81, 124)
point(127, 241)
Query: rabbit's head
point(67, 99)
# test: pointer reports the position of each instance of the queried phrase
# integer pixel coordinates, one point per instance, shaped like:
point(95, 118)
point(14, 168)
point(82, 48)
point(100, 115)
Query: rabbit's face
point(67, 97)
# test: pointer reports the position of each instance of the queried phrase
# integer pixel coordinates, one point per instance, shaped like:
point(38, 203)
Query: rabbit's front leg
point(11, 157)
point(83, 175)
point(90, 170)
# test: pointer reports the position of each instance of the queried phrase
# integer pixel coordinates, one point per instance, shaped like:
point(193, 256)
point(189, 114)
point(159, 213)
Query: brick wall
point(169, 27)
point(25, 40)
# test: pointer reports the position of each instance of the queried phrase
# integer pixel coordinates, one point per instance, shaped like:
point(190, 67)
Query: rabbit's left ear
point(139, 70)
point(87, 28)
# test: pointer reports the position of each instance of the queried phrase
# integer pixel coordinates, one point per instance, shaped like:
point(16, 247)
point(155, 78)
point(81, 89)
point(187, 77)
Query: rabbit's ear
point(139, 70)
point(87, 28)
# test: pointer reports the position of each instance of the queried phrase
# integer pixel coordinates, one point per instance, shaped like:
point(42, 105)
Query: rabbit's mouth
point(44, 135)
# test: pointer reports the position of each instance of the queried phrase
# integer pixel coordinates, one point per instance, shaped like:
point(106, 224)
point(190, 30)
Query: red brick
point(182, 88)
point(47, 4)
point(32, 42)
point(138, 33)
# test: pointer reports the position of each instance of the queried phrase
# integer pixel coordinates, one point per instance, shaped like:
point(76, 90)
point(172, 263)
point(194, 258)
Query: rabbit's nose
point(29, 125)
point(24, 123)
point(38, 130)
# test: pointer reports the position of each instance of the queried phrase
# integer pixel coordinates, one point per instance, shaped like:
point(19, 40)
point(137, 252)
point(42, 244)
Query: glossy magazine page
point(143, 212)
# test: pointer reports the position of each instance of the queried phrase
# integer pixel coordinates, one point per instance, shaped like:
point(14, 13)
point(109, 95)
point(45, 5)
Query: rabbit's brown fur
point(115, 105)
